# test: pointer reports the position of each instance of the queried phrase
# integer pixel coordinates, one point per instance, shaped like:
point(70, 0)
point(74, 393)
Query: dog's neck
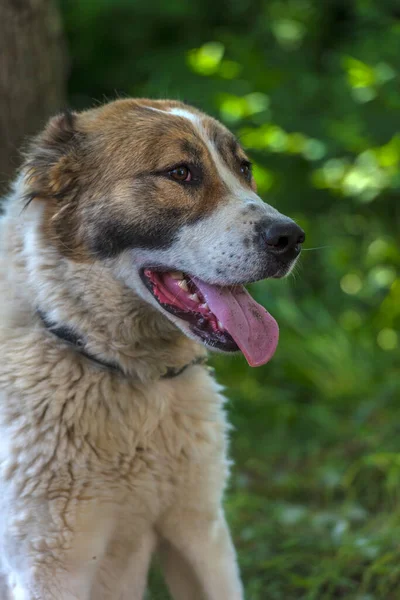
point(119, 328)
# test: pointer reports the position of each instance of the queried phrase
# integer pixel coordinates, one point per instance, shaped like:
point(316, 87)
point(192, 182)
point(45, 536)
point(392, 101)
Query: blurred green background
point(312, 90)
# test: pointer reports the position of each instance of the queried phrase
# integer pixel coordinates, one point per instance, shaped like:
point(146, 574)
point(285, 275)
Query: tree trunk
point(32, 75)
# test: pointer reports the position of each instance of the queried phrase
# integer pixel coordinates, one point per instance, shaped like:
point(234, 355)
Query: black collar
point(68, 335)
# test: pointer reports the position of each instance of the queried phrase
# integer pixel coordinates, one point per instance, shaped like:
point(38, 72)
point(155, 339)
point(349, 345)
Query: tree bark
point(32, 75)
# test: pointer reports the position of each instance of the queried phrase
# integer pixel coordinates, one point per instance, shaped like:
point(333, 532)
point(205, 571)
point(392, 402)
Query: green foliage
point(312, 90)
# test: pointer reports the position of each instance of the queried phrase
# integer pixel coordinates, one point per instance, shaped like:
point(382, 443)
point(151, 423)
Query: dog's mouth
point(223, 317)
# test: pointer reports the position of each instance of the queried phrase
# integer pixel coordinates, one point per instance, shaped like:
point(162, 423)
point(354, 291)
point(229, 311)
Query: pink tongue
point(254, 330)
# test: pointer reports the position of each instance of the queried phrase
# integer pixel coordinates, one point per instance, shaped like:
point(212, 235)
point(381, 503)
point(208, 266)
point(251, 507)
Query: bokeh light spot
point(387, 339)
point(206, 60)
point(351, 283)
point(288, 32)
point(378, 249)
point(382, 276)
point(314, 149)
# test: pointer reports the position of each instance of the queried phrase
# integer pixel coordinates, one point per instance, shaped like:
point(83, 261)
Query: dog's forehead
point(204, 127)
point(161, 125)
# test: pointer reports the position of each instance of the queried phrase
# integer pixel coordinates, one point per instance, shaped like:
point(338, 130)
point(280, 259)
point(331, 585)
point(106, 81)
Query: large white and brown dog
point(126, 240)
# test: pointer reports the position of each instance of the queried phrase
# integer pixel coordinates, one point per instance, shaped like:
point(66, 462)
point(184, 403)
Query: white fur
point(186, 114)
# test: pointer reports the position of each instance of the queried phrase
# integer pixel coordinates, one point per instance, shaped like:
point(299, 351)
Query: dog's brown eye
point(245, 169)
point(181, 174)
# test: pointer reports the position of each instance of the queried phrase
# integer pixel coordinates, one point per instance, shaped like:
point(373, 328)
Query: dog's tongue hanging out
point(254, 330)
point(216, 311)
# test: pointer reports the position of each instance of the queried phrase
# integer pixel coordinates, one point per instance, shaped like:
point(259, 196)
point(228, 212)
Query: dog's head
point(164, 196)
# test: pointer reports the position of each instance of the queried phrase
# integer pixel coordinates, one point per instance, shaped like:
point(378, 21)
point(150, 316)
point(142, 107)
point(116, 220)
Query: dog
point(126, 241)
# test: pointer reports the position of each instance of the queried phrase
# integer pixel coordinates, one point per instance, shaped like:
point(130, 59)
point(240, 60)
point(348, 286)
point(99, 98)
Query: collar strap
point(69, 336)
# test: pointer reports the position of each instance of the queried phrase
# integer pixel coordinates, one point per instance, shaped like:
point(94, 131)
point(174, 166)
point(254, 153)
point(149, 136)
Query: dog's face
point(164, 196)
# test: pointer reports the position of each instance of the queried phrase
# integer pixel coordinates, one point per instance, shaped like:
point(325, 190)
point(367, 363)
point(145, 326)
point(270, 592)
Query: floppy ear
point(52, 160)
point(52, 171)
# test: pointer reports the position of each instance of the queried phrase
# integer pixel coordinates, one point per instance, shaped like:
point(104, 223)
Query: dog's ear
point(52, 172)
point(52, 160)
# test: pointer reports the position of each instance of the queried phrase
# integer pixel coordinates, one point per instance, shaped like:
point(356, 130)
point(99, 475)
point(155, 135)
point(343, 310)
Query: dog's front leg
point(55, 560)
point(204, 546)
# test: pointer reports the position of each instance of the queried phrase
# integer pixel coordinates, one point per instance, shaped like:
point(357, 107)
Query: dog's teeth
point(176, 274)
point(205, 306)
point(195, 298)
point(183, 285)
point(220, 325)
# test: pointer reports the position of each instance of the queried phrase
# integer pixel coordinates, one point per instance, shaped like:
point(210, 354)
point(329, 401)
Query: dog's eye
point(181, 174)
point(245, 169)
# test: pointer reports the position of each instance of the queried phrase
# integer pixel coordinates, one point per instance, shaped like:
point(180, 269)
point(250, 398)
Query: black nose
point(283, 237)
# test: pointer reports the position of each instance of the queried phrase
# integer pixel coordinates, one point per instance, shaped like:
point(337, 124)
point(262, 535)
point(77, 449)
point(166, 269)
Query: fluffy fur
point(99, 469)
point(96, 468)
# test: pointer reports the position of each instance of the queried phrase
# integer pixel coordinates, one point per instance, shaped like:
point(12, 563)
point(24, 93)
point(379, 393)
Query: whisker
point(317, 248)
point(296, 271)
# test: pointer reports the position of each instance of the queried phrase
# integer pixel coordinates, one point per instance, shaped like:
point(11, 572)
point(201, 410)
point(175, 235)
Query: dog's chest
point(108, 440)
